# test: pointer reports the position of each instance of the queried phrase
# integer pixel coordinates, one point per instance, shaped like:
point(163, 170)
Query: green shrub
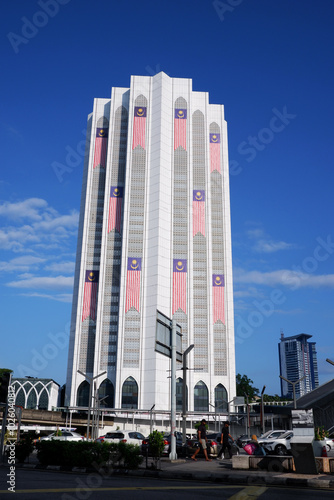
point(130, 455)
point(23, 448)
point(88, 454)
point(156, 443)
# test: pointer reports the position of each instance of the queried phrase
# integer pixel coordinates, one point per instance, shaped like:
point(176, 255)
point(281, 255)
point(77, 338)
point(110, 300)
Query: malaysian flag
point(198, 212)
point(214, 152)
point(90, 295)
point(115, 208)
point(180, 128)
point(139, 123)
point(100, 153)
point(133, 283)
point(179, 285)
point(218, 298)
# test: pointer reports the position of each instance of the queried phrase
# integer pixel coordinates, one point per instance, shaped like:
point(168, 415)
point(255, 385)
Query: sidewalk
point(221, 471)
point(218, 471)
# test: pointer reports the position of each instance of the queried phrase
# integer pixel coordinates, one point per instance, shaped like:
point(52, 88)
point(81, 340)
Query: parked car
point(280, 445)
point(65, 436)
point(130, 437)
point(329, 443)
point(270, 435)
point(243, 440)
point(217, 437)
point(180, 449)
point(212, 445)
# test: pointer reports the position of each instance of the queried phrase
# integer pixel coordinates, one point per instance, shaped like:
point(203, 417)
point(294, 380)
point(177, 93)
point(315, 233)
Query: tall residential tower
point(154, 234)
point(298, 358)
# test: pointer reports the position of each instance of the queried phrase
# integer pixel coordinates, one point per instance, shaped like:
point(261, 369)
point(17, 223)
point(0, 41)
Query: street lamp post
point(228, 408)
point(151, 419)
point(262, 411)
point(330, 361)
point(248, 416)
point(173, 455)
point(90, 380)
point(215, 407)
point(184, 392)
point(293, 388)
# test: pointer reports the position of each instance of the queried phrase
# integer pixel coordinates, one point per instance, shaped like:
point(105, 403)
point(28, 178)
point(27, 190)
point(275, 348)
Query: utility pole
point(262, 410)
point(293, 388)
point(173, 455)
point(184, 392)
point(248, 416)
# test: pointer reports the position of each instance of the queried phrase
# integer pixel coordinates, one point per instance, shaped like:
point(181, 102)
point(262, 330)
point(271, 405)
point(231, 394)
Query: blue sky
point(269, 63)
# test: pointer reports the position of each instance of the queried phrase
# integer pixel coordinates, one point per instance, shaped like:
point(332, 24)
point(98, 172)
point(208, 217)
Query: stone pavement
point(219, 471)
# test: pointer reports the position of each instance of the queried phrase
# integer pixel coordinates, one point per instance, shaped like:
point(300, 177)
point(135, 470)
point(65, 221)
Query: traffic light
point(4, 383)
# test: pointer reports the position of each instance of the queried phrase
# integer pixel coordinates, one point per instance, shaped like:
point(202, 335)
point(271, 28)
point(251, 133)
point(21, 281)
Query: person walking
point(202, 440)
point(224, 440)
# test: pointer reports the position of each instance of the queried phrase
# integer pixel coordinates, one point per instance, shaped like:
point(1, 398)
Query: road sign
point(163, 337)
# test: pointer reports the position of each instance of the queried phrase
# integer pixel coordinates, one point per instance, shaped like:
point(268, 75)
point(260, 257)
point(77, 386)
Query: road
point(39, 485)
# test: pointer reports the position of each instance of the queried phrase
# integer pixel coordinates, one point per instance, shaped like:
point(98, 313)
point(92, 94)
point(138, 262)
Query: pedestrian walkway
point(221, 471)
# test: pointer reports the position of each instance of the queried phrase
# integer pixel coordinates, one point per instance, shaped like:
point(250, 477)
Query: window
point(130, 393)
point(201, 397)
point(220, 399)
point(83, 394)
point(43, 400)
point(106, 390)
point(32, 400)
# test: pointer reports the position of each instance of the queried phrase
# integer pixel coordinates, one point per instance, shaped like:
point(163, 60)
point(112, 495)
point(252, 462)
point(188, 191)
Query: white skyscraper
point(154, 234)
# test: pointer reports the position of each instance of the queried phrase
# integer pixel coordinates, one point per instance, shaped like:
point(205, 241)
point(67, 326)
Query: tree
point(269, 398)
point(4, 383)
point(244, 386)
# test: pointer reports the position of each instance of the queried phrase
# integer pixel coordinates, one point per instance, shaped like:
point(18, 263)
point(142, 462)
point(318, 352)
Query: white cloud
point(46, 228)
point(21, 264)
point(284, 277)
point(272, 246)
point(27, 209)
point(45, 239)
point(264, 244)
point(45, 283)
point(64, 267)
point(61, 297)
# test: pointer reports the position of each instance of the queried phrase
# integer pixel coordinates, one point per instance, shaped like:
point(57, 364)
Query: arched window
point(179, 394)
point(83, 394)
point(220, 399)
point(130, 393)
point(201, 397)
point(106, 391)
point(43, 403)
point(20, 398)
point(62, 395)
point(32, 400)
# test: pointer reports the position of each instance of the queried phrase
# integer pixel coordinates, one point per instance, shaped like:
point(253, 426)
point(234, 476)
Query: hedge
point(85, 454)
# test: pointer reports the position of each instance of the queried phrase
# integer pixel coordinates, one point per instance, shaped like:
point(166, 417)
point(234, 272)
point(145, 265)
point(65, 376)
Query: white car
point(65, 436)
point(270, 436)
point(280, 445)
point(329, 443)
point(130, 437)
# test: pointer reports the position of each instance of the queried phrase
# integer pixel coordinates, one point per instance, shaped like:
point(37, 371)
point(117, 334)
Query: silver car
point(65, 436)
point(280, 445)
